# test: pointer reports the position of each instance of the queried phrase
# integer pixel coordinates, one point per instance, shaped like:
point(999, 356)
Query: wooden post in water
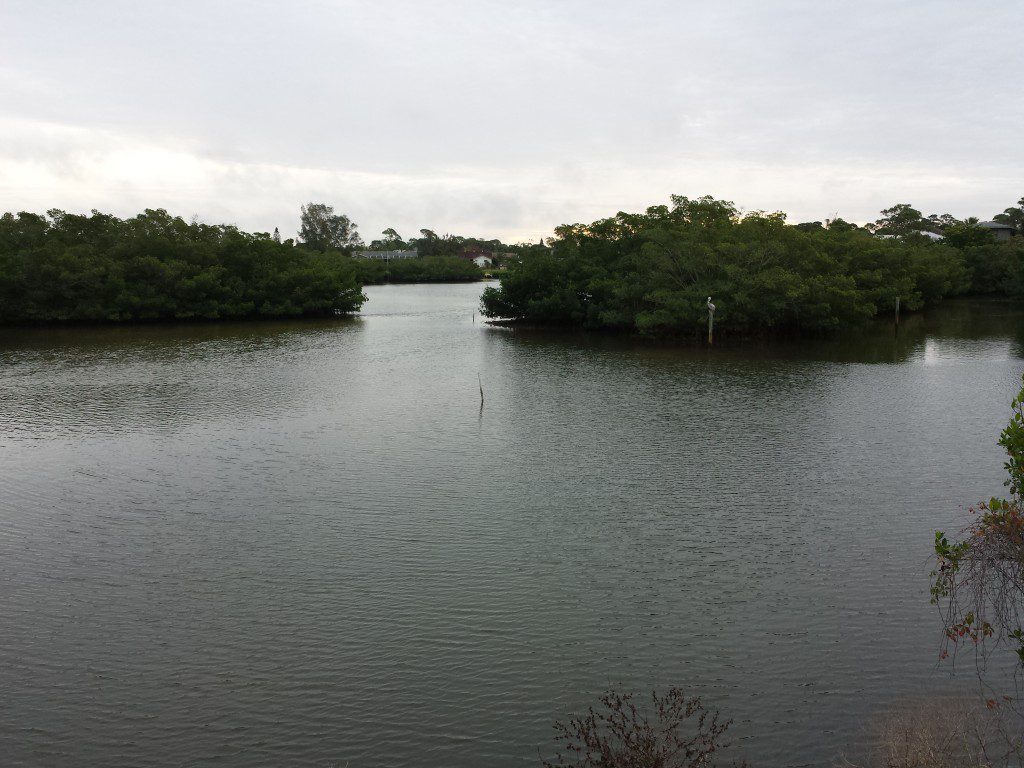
point(481, 385)
point(897, 318)
point(711, 322)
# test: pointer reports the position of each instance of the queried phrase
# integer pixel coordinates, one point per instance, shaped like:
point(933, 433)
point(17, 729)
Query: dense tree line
point(994, 267)
point(429, 243)
point(64, 267)
point(649, 272)
point(322, 229)
point(428, 269)
point(653, 271)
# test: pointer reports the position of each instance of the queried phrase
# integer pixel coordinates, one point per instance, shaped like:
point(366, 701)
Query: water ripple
point(303, 543)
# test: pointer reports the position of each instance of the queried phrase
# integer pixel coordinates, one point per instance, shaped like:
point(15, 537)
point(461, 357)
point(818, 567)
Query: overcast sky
point(505, 119)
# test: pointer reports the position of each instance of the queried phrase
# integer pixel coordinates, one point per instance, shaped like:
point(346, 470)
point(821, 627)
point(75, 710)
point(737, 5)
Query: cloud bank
point(507, 119)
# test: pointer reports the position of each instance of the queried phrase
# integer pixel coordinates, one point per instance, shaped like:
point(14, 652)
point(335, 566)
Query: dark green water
point(303, 543)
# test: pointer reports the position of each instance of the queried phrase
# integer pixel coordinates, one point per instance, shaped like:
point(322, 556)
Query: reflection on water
point(114, 378)
point(302, 542)
point(968, 327)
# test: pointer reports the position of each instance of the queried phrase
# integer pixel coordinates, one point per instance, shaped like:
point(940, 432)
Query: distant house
point(471, 252)
point(478, 255)
point(386, 255)
point(999, 231)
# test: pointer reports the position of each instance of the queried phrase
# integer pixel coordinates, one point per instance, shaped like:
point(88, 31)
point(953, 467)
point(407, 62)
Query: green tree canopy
point(1013, 216)
point(322, 229)
point(68, 267)
point(392, 241)
point(901, 219)
point(653, 271)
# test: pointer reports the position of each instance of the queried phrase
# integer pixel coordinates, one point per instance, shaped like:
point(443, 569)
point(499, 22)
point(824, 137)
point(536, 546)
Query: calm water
point(303, 543)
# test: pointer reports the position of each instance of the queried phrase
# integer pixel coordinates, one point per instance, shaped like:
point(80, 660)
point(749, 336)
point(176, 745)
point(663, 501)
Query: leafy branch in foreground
point(677, 732)
point(979, 579)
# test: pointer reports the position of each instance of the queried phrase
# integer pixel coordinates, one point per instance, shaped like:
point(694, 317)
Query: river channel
point(306, 543)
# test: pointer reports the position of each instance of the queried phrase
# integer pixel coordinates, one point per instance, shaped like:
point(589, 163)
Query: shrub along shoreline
point(647, 274)
point(67, 268)
point(651, 273)
point(155, 267)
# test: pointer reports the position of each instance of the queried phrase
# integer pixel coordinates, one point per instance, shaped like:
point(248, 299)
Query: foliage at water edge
point(64, 267)
point(653, 272)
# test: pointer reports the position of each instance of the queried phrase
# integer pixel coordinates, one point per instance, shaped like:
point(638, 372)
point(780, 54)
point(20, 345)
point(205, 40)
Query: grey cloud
point(510, 118)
